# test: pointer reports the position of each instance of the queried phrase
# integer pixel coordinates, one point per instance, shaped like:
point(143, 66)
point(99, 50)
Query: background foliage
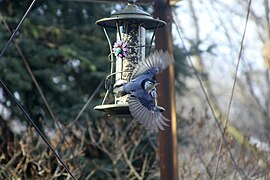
point(67, 54)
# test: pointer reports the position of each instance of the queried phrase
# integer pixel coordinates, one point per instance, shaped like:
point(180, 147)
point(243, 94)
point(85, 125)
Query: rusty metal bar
point(168, 138)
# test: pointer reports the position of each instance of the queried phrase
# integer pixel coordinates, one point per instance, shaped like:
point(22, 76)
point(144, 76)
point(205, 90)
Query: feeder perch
point(130, 24)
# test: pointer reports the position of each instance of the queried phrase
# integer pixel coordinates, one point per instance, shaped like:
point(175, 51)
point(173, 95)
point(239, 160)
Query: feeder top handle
point(131, 1)
point(132, 14)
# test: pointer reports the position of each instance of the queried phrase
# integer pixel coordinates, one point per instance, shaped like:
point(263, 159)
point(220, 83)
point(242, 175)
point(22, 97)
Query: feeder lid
point(131, 12)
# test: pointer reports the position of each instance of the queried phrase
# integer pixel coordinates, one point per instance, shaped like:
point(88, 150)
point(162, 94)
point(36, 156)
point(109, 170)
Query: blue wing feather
point(143, 109)
point(154, 64)
point(141, 105)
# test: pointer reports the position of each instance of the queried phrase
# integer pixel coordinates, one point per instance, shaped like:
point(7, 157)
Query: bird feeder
point(129, 48)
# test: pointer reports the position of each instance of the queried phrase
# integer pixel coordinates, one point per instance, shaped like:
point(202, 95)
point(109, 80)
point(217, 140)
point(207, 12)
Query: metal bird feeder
point(130, 24)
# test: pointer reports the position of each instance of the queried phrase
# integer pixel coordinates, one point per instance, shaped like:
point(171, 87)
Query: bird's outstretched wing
point(153, 64)
point(145, 112)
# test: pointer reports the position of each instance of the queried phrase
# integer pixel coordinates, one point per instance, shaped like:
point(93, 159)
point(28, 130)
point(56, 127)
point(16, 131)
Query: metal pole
point(168, 149)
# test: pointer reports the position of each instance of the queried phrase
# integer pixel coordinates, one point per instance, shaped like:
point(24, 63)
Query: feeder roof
point(131, 12)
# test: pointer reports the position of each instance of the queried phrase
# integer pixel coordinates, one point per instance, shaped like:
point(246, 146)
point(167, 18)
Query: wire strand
point(207, 99)
point(56, 121)
point(16, 101)
point(31, 74)
point(233, 87)
point(85, 105)
point(35, 126)
point(17, 28)
point(112, 63)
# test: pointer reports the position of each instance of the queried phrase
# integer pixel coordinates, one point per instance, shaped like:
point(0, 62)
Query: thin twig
point(129, 163)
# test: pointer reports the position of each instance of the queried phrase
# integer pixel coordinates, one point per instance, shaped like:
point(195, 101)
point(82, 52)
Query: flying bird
point(142, 92)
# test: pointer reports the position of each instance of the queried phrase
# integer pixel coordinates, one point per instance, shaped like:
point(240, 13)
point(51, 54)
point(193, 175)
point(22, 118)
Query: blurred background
point(60, 56)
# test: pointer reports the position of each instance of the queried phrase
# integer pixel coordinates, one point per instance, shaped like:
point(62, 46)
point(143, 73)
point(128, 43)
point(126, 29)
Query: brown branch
point(129, 163)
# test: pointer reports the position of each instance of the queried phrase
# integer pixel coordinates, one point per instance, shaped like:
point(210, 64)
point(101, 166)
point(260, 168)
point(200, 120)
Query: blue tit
point(141, 90)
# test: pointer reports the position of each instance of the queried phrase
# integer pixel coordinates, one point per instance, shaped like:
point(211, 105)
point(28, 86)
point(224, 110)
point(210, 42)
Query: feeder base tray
point(114, 109)
point(118, 109)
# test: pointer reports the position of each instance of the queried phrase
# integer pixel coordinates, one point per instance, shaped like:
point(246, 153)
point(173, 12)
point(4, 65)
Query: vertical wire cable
point(111, 59)
point(118, 31)
point(240, 172)
point(233, 87)
point(152, 39)
point(120, 37)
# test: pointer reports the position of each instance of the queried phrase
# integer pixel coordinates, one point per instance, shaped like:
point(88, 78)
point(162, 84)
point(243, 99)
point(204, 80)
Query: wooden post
point(168, 138)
